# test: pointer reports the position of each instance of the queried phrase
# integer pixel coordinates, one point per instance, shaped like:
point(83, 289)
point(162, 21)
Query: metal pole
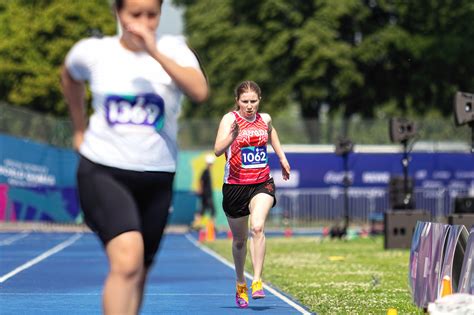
point(346, 192)
point(406, 194)
point(471, 124)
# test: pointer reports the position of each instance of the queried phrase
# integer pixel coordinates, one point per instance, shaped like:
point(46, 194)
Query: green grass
point(365, 280)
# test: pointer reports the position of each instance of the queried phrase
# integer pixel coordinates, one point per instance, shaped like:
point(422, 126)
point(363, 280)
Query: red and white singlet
point(247, 160)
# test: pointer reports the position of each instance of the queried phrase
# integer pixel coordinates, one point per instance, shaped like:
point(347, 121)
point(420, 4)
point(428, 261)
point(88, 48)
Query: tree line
point(371, 58)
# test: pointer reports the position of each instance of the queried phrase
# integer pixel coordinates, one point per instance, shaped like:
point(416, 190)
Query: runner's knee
point(257, 230)
point(126, 257)
point(127, 267)
point(239, 243)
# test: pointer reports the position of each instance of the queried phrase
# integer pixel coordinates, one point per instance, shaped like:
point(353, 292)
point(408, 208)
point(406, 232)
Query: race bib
point(254, 157)
point(143, 110)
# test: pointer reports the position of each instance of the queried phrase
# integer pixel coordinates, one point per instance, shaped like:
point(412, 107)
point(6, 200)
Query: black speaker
point(399, 226)
point(466, 219)
point(464, 205)
point(401, 129)
point(396, 193)
point(463, 108)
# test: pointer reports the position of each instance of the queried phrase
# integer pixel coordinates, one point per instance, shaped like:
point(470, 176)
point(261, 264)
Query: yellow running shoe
point(257, 290)
point(241, 296)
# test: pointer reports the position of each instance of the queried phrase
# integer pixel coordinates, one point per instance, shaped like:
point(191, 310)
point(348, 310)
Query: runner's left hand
point(285, 169)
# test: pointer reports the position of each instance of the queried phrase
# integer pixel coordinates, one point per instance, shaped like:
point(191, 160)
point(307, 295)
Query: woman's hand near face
point(140, 20)
point(145, 36)
point(234, 130)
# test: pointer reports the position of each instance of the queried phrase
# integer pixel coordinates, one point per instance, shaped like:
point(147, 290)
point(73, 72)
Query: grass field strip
point(41, 257)
point(10, 240)
point(249, 276)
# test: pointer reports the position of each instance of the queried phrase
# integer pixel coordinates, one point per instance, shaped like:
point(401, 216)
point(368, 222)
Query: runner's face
point(144, 12)
point(248, 104)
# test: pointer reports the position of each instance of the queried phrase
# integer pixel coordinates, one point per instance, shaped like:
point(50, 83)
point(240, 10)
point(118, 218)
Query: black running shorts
point(237, 198)
point(115, 201)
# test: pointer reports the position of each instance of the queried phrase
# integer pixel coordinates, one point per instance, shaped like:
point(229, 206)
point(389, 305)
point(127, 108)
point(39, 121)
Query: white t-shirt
point(136, 104)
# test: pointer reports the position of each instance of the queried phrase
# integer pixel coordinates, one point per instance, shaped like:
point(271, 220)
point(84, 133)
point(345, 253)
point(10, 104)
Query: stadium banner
point(428, 169)
point(38, 181)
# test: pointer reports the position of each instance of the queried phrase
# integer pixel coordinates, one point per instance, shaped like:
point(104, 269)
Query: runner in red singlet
point(248, 187)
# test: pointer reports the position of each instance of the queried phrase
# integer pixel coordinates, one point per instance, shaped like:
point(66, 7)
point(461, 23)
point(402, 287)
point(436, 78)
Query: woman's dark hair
point(119, 4)
point(246, 86)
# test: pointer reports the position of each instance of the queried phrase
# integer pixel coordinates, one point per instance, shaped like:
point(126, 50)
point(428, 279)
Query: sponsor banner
point(37, 182)
point(429, 170)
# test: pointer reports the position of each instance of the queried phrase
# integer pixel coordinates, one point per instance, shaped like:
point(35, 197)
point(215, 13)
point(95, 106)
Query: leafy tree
point(352, 55)
point(364, 57)
point(34, 39)
point(289, 47)
point(416, 53)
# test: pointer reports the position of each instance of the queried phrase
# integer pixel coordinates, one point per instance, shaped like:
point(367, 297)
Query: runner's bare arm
point(226, 134)
point(190, 80)
point(74, 93)
point(275, 142)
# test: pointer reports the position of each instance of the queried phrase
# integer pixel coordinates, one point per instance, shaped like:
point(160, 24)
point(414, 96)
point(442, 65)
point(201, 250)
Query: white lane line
point(249, 276)
point(13, 238)
point(41, 257)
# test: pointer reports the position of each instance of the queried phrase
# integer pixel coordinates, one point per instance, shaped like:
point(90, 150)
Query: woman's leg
point(154, 200)
point(260, 205)
point(123, 285)
point(110, 210)
point(239, 228)
point(141, 288)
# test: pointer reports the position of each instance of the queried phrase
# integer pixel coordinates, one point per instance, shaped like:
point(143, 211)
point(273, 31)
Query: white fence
point(301, 208)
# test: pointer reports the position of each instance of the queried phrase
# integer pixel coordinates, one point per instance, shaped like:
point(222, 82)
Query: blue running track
point(63, 273)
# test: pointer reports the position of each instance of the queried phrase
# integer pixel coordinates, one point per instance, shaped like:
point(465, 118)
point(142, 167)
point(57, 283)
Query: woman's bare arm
point(226, 134)
point(74, 93)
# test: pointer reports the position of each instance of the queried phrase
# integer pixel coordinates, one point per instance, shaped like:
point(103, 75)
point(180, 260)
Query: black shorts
point(115, 201)
point(237, 198)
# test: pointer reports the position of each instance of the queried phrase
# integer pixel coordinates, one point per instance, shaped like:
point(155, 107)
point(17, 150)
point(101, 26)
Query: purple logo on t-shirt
point(144, 109)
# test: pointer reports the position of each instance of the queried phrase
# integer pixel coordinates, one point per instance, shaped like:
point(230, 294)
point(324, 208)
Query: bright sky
point(171, 19)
